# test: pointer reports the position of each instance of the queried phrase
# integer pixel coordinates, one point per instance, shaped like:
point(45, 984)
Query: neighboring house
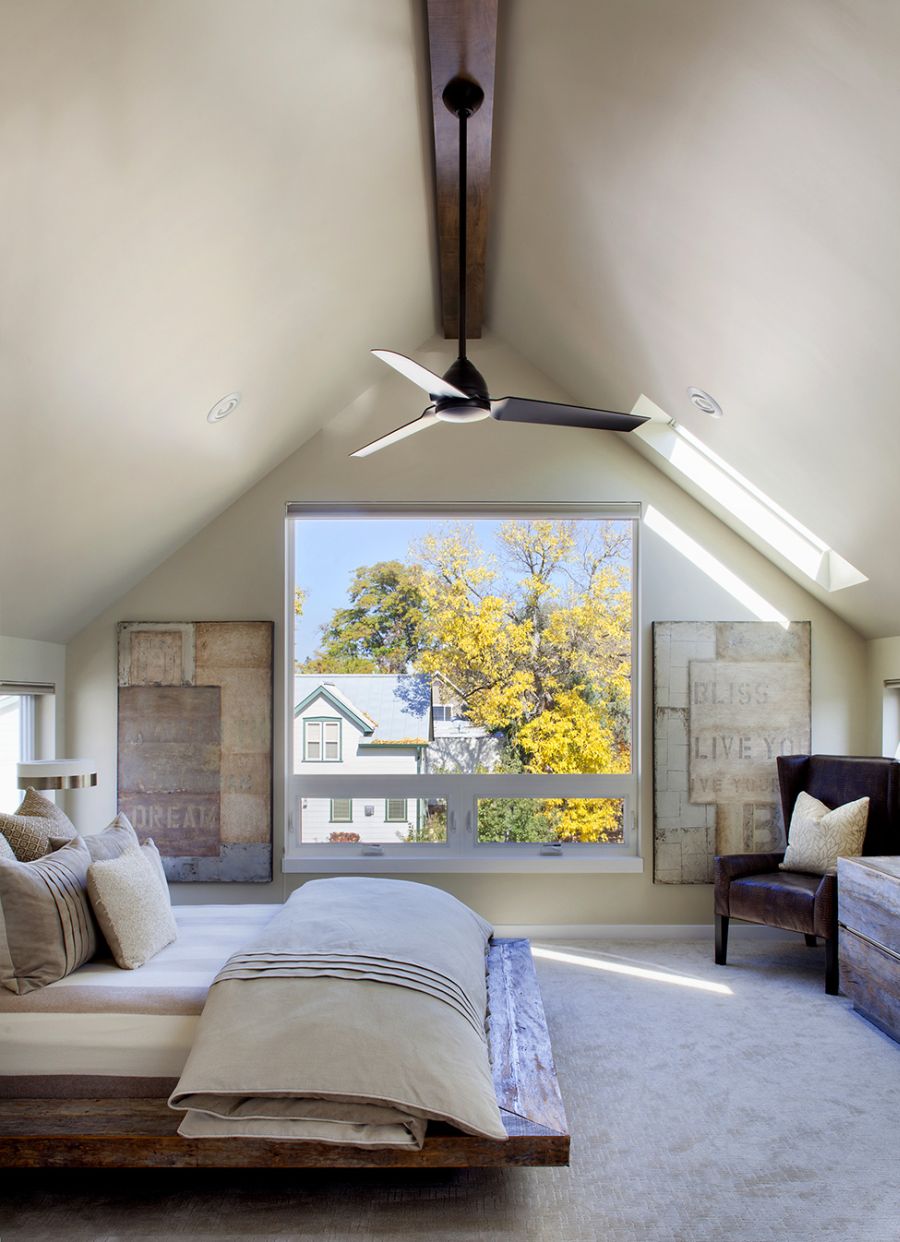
point(385, 724)
point(457, 745)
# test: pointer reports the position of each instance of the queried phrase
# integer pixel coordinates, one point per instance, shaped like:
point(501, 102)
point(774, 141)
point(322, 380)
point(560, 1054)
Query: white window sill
point(370, 864)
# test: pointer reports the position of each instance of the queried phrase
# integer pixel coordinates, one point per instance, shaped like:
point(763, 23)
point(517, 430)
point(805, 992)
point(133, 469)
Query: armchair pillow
point(818, 836)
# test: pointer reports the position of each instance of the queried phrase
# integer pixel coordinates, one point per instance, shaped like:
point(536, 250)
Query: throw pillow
point(149, 850)
point(6, 850)
point(28, 829)
point(114, 840)
point(818, 836)
point(46, 925)
point(133, 912)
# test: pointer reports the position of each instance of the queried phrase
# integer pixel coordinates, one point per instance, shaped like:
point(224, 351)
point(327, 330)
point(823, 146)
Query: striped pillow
point(47, 929)
point(29, 828)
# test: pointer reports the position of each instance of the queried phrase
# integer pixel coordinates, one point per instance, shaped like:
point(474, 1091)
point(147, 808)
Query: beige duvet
point(357, 1015)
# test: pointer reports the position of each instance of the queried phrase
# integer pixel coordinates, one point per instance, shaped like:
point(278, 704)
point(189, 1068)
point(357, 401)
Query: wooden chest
point(869, 918)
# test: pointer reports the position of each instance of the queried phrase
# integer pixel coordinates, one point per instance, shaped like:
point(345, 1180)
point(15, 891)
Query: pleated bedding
point(355, 1017)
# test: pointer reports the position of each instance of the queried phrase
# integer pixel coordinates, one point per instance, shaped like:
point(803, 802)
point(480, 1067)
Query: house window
point(481, 666)
point(341, 811)
point(395, 810)
point(322, 741)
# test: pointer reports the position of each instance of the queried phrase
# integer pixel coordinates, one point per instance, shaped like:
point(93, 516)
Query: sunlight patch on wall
point(690, 457)
point(712, 567)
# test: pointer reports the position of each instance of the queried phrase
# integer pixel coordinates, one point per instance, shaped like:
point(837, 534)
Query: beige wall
point(234, 569)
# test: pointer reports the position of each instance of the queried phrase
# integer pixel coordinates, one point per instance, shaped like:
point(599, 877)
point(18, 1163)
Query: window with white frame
point(526, 619)
point(19, 733)
point(322, 741)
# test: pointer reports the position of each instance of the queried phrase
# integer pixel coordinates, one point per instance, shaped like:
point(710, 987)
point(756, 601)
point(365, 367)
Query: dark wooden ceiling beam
point(462, 39)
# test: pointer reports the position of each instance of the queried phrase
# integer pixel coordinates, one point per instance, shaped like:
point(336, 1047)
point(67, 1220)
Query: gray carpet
point(769, 1113)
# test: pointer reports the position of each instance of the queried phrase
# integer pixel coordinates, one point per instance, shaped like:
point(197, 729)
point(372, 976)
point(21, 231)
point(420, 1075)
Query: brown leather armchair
point(751, 888)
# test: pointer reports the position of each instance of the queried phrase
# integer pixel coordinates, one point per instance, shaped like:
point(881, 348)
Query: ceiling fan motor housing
point(464, 375)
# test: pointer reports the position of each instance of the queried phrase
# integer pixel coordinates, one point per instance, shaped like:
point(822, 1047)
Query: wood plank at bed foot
point(142, 1133)
point(122, 1133)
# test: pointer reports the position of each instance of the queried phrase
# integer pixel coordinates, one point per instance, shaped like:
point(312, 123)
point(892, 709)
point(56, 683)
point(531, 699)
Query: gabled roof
point(340, 703)
point(387, 707)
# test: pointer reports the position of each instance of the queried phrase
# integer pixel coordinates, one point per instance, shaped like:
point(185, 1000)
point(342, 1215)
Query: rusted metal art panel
point(170, 765)
point(154, 653)
point(195, 745)
point(729, 697)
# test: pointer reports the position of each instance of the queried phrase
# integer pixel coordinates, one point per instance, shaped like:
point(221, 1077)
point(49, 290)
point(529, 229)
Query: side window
point(17, 743)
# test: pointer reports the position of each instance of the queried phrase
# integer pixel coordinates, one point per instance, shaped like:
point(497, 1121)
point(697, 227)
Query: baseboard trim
point(636, 931)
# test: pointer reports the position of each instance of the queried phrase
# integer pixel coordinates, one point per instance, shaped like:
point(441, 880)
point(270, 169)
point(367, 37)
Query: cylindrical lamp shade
point(56, 774)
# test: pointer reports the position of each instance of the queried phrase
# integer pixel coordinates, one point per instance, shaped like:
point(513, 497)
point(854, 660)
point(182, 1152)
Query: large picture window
point(468, 676)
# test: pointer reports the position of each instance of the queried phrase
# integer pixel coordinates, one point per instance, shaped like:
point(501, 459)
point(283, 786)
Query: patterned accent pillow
point(133, 912)
point(29, 828)
point(818, 837)
point(46, 925)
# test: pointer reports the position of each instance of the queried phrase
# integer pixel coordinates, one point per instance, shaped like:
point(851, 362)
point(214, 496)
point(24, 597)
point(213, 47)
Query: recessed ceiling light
point(703, 401)
point(224, 407)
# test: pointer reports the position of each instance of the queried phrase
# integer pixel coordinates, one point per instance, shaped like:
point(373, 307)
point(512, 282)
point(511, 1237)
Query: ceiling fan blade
point(428, 419)
point(433, 384)
point(552, 414)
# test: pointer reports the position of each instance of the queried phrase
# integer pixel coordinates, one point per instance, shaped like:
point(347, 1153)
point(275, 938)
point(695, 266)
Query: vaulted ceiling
point(207, 195)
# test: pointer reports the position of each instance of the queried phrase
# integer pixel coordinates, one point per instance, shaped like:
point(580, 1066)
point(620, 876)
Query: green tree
point(381, 628)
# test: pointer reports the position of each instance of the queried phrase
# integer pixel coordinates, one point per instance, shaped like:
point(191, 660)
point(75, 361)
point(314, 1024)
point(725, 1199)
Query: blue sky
point(328, 550)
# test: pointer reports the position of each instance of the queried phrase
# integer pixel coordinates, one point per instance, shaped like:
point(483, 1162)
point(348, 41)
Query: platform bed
point(142, 1133)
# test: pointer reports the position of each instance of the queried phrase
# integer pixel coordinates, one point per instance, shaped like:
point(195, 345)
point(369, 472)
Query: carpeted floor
point(767, 1112)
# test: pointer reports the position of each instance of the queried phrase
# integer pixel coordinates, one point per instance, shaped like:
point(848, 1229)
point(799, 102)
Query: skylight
point(689, 457)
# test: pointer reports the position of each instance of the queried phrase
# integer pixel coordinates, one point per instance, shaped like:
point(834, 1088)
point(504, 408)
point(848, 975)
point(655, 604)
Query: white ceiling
point(203, 195)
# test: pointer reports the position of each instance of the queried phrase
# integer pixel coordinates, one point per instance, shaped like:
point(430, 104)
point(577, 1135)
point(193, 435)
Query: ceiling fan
point(460, 395)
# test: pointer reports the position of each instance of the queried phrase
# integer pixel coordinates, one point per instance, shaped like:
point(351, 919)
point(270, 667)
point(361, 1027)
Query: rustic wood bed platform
point(123, 1133)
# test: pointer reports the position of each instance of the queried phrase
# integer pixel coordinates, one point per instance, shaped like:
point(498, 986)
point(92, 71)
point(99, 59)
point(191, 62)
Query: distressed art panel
point(729, 697)
point(195, 745)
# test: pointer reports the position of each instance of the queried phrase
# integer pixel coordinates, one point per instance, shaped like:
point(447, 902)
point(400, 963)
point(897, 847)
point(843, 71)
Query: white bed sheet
point(111, 1022)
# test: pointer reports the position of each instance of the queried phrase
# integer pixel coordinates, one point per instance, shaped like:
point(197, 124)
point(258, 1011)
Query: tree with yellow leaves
point(536, 635)
point(538, 639)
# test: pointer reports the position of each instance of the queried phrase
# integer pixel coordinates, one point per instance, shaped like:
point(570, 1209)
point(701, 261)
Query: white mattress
point(105, 1023)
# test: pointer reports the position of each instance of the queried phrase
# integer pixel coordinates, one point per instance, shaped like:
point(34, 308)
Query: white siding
point(356, 758)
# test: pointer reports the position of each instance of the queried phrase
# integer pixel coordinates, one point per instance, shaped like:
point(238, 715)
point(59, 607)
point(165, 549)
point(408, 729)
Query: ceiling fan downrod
point(463, 97)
